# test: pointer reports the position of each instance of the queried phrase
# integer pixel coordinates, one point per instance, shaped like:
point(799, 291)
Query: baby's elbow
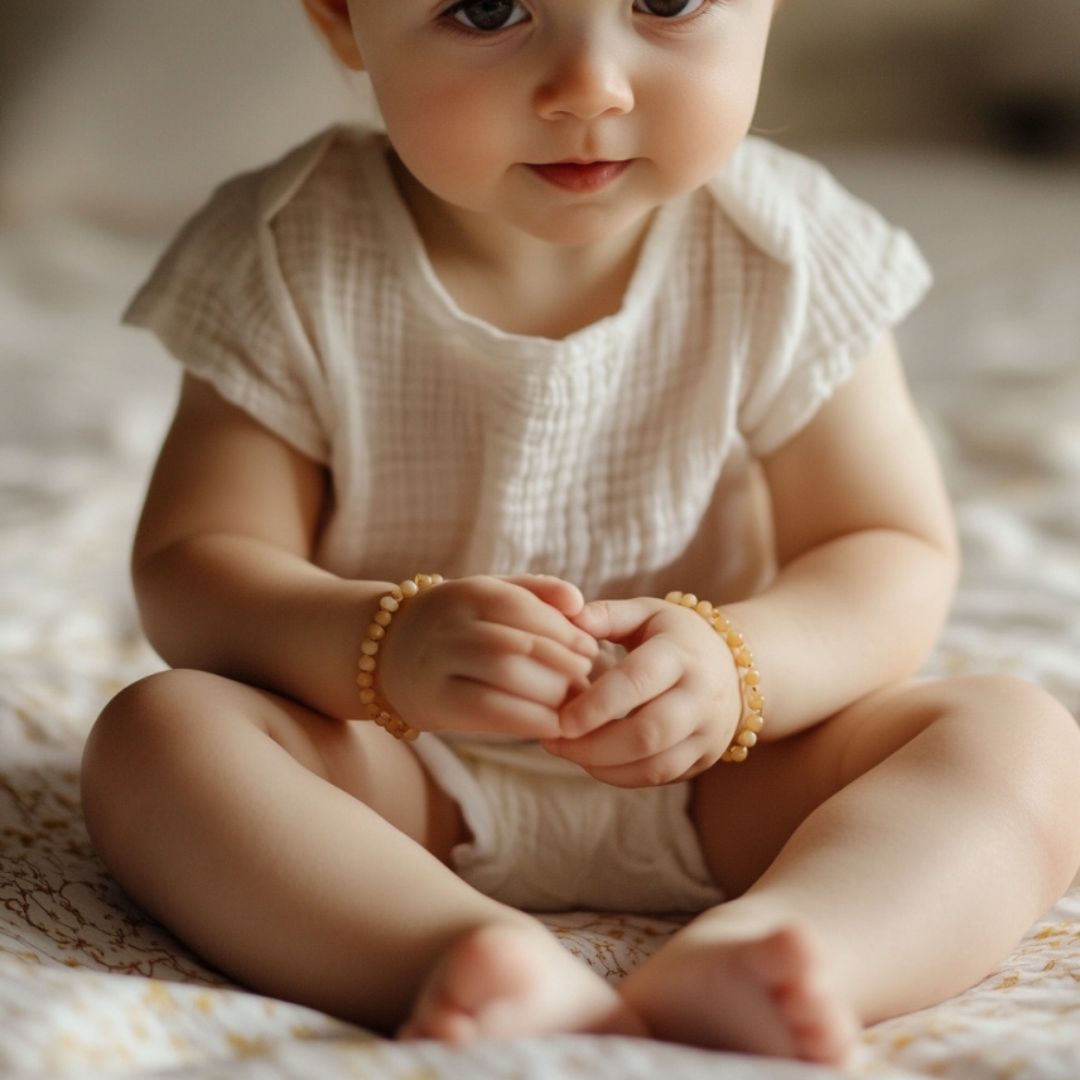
point(163, 601)
point(941, 566)
point(929, 591)
point(949, 564)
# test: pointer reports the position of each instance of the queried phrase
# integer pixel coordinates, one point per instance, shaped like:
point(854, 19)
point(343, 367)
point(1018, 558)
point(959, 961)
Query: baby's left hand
point(666, 711)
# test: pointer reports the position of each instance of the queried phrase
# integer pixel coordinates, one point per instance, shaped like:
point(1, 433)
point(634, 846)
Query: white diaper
point(549, 837)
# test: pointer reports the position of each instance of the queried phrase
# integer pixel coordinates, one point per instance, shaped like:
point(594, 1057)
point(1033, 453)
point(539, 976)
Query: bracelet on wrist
point(751, 719)
point(389, 604)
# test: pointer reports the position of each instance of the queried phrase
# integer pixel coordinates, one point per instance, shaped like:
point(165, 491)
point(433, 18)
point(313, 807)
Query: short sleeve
point(217, 305)
point(831, 277)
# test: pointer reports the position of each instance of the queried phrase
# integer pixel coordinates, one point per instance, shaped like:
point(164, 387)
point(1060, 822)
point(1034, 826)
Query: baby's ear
point(334, 22)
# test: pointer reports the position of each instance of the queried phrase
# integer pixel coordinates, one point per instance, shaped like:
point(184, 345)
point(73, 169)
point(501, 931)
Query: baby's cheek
point(450, 142)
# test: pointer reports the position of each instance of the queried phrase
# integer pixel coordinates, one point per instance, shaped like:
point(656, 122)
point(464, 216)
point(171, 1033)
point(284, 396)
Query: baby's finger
point(643, 674)
point(561, 595)
point(617, 620)
point(518, 663)
point(522, 609)
point(488, 642)
point(678, 763)
point(524, 677)
point(649, 731)
point(573, 666)
point(482, 708)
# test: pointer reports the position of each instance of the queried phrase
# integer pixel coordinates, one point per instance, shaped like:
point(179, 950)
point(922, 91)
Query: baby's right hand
point(487, 654)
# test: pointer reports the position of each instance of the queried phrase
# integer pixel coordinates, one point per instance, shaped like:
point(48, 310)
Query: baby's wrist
point(751, 699)
point(374, 702)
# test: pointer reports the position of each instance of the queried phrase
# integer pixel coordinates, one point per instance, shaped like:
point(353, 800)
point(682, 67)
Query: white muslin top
point(622, 457)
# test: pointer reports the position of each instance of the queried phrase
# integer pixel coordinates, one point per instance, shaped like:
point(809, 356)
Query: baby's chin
point(584, 226)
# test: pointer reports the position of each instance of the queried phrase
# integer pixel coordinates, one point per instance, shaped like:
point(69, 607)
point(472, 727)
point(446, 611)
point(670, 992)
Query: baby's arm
point(868, 563)
point(225, 584)
point(867, 550)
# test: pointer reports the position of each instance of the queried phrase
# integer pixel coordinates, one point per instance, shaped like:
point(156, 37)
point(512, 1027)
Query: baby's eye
point(668, 9)
point(487, 16)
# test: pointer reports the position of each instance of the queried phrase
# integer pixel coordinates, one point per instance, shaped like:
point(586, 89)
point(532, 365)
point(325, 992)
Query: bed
point(89, 986)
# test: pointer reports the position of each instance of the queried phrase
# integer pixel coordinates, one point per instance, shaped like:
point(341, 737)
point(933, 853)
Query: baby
point(564, 334)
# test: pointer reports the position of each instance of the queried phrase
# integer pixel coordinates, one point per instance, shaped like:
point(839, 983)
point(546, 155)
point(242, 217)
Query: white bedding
point(88, 985)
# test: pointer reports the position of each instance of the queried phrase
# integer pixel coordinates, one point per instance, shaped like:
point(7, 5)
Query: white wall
point(139, 103)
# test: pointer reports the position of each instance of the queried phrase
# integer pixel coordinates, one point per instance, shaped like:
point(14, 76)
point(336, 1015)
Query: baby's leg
point(305, 857)
point(879, 863)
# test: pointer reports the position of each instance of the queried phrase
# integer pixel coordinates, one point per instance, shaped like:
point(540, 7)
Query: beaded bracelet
point(383, 715)
point(751, 721)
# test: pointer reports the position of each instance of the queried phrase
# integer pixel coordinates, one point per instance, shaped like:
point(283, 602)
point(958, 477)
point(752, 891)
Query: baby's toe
point(822, 1029)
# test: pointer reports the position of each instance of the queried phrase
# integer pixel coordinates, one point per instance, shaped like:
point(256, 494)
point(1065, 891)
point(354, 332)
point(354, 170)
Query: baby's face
point(476, 95)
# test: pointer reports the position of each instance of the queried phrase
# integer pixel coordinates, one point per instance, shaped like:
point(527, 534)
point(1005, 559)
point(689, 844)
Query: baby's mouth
point(581, 177)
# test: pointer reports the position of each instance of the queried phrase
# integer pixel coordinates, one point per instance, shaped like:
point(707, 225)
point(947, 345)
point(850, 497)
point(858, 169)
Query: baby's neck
point(538, 297)
point(520, 284)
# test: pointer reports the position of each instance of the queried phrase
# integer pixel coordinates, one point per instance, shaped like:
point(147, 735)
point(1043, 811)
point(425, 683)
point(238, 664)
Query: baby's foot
point(505, 980)
point(762, 994)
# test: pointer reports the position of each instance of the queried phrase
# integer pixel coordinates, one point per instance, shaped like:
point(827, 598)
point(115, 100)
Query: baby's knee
point(1038, 743)
point(1056, 777)
point(133, 739)
point(141, 713)
point(1027, 717)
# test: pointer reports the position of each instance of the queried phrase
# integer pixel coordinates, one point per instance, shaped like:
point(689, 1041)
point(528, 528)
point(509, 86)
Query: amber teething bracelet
point(751, 721)
point(381, 713)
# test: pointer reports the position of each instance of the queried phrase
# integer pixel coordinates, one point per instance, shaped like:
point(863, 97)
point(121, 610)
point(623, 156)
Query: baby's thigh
point(1004, 736)
point(150, 729)
point(745, 813)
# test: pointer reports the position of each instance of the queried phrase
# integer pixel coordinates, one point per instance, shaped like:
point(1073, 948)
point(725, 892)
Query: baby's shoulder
point(315, 182)
point(322, 178)
point(787, 204)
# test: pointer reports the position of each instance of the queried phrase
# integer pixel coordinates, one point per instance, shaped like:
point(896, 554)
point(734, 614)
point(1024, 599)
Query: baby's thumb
point(561, 595)
point(615, 620)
